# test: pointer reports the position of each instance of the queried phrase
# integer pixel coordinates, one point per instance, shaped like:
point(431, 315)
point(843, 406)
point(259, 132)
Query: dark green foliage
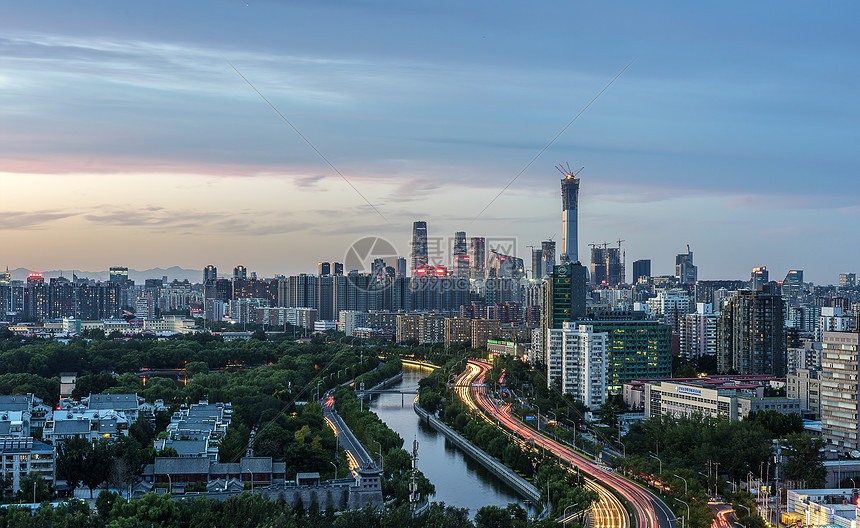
point(34, 484)
point(513, 516)
point(804, 460)
point(92, 384)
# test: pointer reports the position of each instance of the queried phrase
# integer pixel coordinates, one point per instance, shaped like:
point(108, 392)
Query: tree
point(804, 459)
point(196, 367)
point(105, 503)
point(168, 451)
point(34, 484)
point(97, 465)
point(5, 483)
point(142, 430)
point(92, 384)
point(496, 517)
point(71, 460)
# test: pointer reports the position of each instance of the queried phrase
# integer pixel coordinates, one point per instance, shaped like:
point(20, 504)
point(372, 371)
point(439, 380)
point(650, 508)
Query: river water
point(459, 480)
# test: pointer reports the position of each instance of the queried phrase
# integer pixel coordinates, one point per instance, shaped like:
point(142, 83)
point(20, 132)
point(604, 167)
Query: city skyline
point(130, 139)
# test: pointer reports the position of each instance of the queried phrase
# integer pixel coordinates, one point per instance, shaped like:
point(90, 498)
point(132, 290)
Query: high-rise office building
point(461, 255)
point(569, 212)
point(324, 268)
point(210, 272)
point(419, 245)
point(564, 295)
point(758, 278)
point(478, 260)
point(239, 272)
point(537, 264)
point(118, 274)
point(547, 248)
point(685, 271)
point(400, 270)
point(337, 268)
point(847, 280)
point(641, 270)
point(792, 287)
point(751, 333)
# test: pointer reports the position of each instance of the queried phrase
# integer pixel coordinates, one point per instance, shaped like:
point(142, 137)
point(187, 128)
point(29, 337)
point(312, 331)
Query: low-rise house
point(201, 419)
point(190, 447)
point(34, 410)
point(13, 423)
point(20, 456)
point(180, 472)
point(90, 425)
point(131, 405)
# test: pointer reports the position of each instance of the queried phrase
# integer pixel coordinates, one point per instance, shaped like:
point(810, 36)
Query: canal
point(459, 480)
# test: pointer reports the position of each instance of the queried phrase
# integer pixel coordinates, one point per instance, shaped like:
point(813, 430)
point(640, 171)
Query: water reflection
point(459, 480)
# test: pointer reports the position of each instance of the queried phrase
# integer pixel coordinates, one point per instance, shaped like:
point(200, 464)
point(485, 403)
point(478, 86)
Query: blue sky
point(128, 139)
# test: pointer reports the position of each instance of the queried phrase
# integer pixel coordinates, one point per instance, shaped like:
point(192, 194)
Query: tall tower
point(478, 260)
point(461, 255)
point(548, 249)
point(569, 212)
point(419, 245)
point(685, 271)
point(210, 273)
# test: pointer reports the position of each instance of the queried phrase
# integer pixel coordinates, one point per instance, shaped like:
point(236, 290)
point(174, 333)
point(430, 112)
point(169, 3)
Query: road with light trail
point(649, 510)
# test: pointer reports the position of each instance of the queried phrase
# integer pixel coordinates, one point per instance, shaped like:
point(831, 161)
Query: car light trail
point(609, 512)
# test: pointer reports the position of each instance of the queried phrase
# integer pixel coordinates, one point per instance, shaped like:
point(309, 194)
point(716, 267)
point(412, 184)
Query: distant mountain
point(173, 272)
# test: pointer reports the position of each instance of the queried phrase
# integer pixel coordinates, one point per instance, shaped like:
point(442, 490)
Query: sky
point(276, 134)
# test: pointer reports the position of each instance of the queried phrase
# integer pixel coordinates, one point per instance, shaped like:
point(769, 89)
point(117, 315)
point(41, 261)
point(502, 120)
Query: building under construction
point(607, 265)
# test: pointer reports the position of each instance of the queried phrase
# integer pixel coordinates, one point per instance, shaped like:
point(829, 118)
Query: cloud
point(153, 217)
point(36, 220)
point(164, 220)
point(309, 181)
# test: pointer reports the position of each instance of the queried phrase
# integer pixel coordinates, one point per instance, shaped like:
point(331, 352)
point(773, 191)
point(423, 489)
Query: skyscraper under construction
point(569, 212)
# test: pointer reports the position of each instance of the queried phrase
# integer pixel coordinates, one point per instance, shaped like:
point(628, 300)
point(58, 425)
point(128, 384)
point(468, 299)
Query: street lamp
point(685, 483)
point(747, 508)
point(380, 451)
point(563, 515)
point(335, 468)
point(709, 481)
point(169, 484)
point(538, 417)
point(658, 460)
point(688, 510)
point(252, 479)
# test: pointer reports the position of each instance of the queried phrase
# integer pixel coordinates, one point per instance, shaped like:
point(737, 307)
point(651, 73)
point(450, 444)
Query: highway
point(650, 511)
point(355, 452)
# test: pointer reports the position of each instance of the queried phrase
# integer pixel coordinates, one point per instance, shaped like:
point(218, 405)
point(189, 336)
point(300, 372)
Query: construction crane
point(568, 173)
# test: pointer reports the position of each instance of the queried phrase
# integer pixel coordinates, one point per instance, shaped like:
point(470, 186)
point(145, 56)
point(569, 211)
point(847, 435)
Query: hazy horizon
point(130, 139)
